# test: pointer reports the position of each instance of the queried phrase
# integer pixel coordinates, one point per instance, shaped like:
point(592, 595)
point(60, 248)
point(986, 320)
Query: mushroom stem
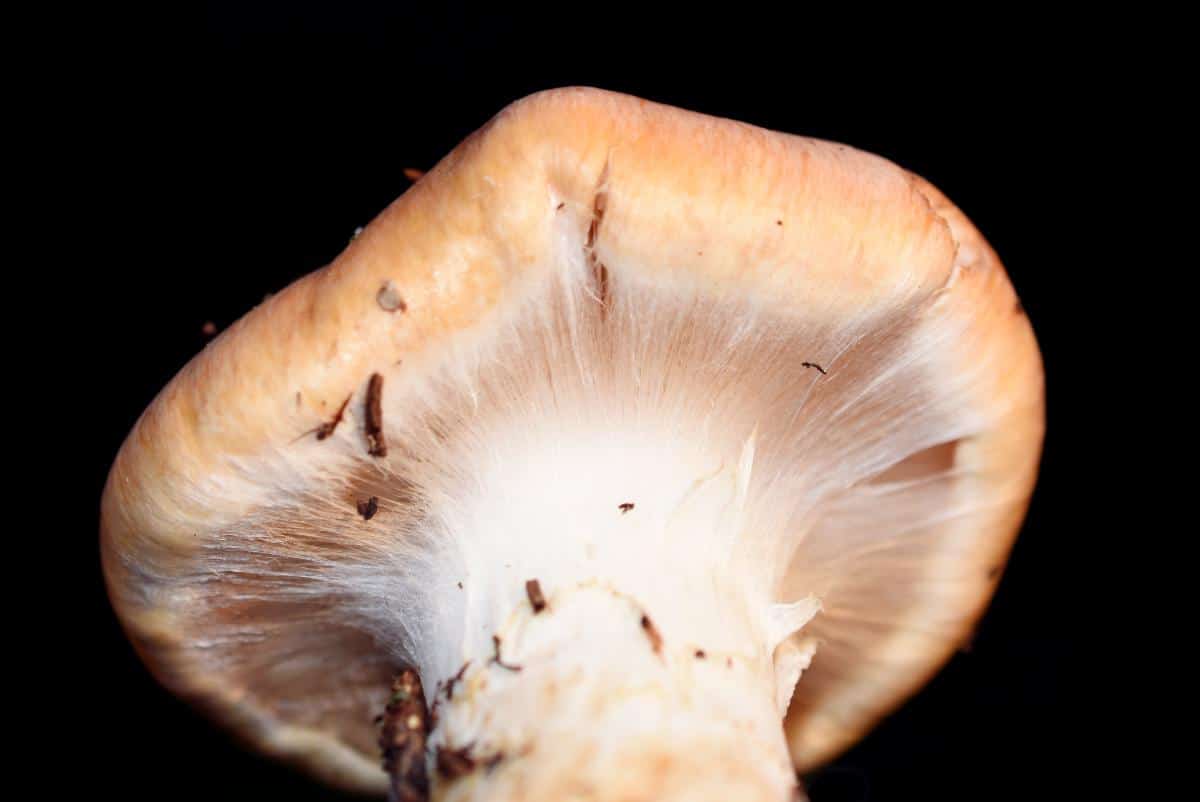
point(607, 707)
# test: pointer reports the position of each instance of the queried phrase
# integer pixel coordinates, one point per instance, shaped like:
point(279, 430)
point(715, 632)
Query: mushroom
point(757, 416)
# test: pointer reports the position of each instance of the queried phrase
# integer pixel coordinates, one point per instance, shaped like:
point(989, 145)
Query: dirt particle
point(701, 654)
point(209, 329)
point(533, 589)
point(454, 763)
point(413, 174)
point(626, 507)
point(813, 365)
point(368, 508)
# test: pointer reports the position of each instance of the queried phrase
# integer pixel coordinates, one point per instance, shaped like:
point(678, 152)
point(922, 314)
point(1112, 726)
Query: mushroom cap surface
point(231, 533)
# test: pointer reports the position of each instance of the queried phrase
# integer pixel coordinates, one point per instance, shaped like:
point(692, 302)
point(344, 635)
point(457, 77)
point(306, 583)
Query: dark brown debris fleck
point(454, 763)
point(402, 739)
point(327, 428)
point(994, 571)
point(652, 633)
point(813, 365)
point(368, 508)
point(560, 207)
point(496, 657)
point(626, 507)
point(533, 589)
point(1018, 307)
point(778, 222)
point(457, 678)
point(373, 426)
point(413, 174)
point(701, 654)
point(209, 328)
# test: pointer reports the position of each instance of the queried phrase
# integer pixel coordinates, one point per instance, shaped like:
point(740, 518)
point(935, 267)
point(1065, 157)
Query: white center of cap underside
point(653, 514)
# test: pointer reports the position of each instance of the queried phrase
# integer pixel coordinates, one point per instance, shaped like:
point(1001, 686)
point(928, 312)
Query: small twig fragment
point(533, 589)
point(368, 508)
point(457, 678)
point(496, 657)
point(813, 365)
point(328, 427)
point(373, 426)
point(652, 633)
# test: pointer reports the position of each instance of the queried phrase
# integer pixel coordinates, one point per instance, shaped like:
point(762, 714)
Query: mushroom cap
point(220, 527)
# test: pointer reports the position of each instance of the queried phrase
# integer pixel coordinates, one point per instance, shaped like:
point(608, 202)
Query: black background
point(239, 150)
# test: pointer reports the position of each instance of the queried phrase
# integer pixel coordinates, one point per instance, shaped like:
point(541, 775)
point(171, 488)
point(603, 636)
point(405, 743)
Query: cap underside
point(877, 484)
